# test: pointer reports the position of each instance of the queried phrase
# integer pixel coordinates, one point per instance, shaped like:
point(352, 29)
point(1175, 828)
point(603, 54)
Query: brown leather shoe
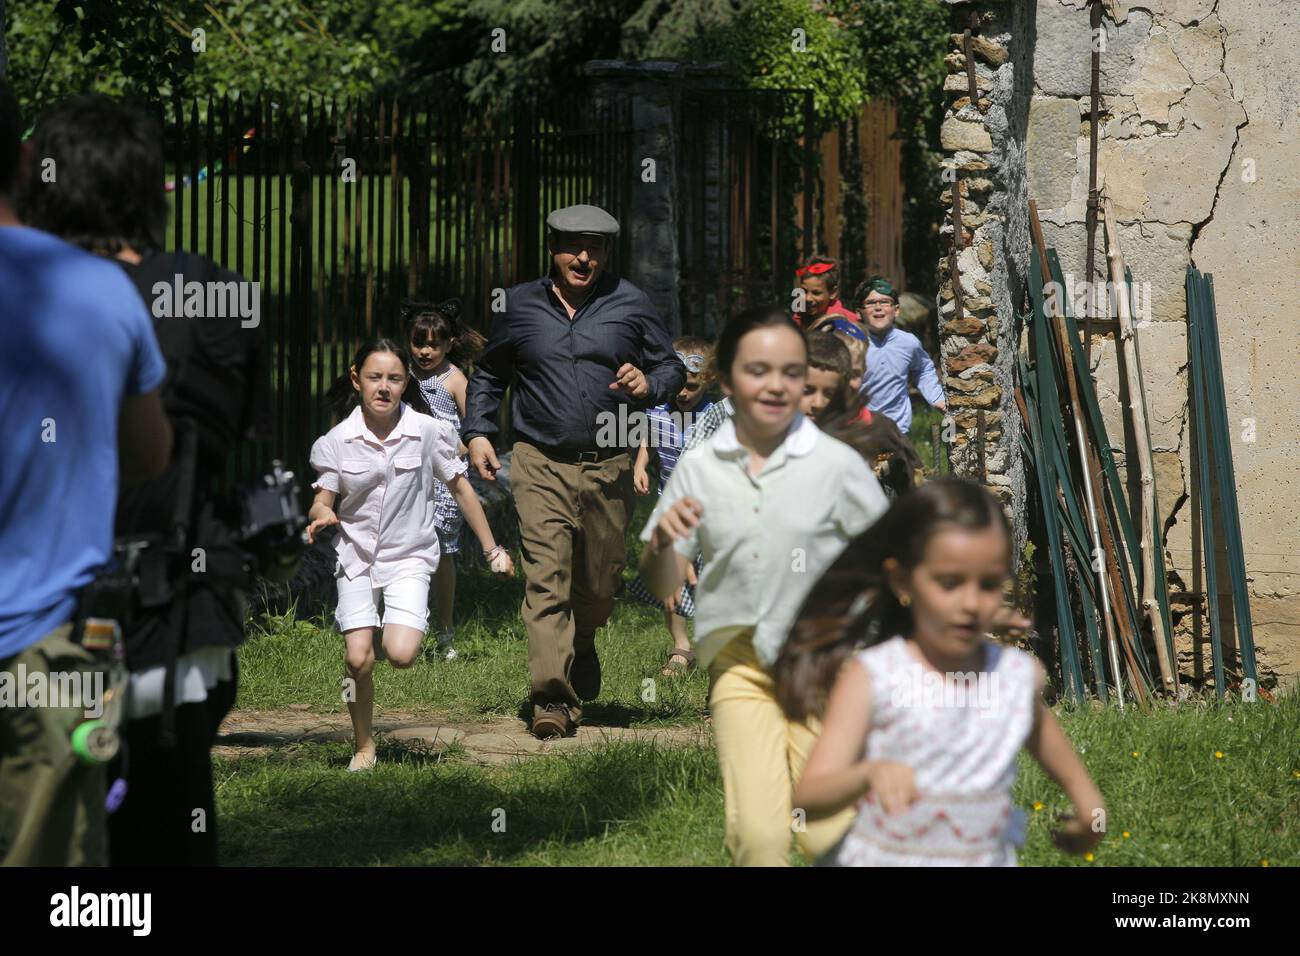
point(553, 722)
point(584, 675)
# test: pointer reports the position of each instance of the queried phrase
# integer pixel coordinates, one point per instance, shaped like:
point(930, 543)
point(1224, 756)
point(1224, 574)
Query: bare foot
point(363, 760)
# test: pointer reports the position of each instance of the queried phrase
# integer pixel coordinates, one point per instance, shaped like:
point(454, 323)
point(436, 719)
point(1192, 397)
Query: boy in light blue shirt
point(894, 358)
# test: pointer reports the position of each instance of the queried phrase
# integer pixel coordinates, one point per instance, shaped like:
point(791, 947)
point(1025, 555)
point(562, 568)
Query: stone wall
point(1198, 147)
point(984, 146)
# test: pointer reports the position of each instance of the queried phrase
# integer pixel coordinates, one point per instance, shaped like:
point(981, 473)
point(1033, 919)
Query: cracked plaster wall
point(1198, 151)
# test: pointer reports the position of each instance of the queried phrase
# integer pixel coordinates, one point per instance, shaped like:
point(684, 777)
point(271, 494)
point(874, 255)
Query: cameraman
point(78, 366)
point(193, 593)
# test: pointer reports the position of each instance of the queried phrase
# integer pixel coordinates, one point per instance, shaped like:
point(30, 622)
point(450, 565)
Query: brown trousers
point(572, 525)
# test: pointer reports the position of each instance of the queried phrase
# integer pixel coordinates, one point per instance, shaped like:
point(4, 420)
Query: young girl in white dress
point(922, 728)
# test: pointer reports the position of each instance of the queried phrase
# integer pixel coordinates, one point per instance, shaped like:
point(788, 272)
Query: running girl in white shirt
point(769, 501)
point(379, 465)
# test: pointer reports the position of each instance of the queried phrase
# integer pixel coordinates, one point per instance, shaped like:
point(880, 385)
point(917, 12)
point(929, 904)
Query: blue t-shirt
point(75, 338)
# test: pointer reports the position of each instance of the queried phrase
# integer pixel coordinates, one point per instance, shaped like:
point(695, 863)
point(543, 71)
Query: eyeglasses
point(694, 362)
point(874, 303)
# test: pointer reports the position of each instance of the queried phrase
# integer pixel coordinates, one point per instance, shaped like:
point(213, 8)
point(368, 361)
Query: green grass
point(1180, 803)
point(630, 804)
point(301, 662)
point(638, 804)
point(923, 417)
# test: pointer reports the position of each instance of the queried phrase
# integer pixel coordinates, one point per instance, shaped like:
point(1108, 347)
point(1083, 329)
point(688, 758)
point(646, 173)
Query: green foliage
point(903, 42)
point(662, 29)
point(144, 48)
point(786, 44)
point(147, 50)
point(57, 47)
point(546, 45)
point(330, 48)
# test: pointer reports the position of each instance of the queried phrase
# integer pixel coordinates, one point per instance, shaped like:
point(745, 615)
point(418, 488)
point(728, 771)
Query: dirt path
point(500, 740)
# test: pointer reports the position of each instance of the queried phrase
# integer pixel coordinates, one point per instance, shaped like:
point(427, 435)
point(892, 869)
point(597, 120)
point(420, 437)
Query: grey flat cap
point(587, 219)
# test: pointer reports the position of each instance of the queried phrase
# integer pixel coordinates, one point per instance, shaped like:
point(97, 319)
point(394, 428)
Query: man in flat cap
point(576, 345)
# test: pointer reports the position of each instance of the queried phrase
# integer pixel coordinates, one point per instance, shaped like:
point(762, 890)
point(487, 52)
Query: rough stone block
point(1170, 484)
point(968, 418)
point(1052, 149)
point(1169, 12)
point(989, 398)
point(967, 326)
point(1156, 253)
point(1063, 50)
point(965, 386)
point(1173, 178)
point(956, 134)
point(971, 355)
point(957, 83)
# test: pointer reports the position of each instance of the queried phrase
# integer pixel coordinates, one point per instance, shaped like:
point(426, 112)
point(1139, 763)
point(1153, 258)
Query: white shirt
point(766, 539)
point(386, 499)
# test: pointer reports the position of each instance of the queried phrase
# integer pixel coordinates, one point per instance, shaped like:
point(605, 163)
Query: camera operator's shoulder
point(83, 288)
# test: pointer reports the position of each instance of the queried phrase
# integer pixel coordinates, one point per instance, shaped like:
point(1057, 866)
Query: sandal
point(674, 668)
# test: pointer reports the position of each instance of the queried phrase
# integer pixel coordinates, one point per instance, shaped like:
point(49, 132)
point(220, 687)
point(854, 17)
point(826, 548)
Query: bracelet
point(489, 555)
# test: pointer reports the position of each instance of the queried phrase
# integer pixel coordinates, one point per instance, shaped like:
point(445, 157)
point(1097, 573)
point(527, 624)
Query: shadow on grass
point(613, 713)
point(420, 807)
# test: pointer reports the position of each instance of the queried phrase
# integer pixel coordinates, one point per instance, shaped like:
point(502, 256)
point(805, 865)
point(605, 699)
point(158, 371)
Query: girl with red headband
point(820, 281)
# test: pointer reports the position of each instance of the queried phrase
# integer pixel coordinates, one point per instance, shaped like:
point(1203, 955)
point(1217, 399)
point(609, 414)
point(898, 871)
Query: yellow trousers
point(762, 754)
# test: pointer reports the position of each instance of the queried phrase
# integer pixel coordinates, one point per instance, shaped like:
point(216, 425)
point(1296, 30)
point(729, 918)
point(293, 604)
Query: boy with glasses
point(895, 358)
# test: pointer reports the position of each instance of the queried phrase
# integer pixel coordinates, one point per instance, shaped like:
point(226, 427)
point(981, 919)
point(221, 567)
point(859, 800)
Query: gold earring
point(904, 600)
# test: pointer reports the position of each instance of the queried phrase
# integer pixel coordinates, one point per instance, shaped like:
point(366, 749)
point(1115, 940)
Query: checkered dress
point(669, 441)
point(447, 516)
point(709, 422)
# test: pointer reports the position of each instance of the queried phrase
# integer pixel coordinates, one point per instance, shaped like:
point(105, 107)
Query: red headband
point(816, 269)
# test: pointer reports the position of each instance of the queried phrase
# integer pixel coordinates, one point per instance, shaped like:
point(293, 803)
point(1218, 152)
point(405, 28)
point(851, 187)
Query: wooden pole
point(958, 237)
point(1067, 359)
point(1095, 22)
point(1146, 463)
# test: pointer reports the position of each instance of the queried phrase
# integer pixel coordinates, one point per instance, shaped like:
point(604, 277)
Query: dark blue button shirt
point(561, 368)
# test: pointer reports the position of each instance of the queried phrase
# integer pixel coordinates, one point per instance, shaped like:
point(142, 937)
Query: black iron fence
point(340, 211)
point(746, 160)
